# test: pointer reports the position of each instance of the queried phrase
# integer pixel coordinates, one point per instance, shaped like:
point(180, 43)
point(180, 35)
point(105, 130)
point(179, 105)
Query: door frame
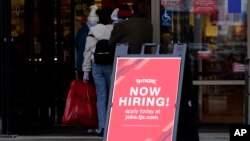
point(247, 101)
point(155, 20)
point(5, 42)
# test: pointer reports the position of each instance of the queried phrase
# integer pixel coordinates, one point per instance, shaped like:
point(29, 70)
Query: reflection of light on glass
point(244, 6)
point(40, 59)
point(35, 60)
point(49, 109)
point(17, 10)
point(55, 59)
point(29, 59)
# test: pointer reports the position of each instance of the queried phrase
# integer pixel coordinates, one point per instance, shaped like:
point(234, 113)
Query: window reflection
point(217, 41)
point(17, 17)
point(221, 35)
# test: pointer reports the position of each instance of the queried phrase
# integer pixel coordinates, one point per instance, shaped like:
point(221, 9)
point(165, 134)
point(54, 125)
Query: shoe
point(91, 131)
point(100, 132)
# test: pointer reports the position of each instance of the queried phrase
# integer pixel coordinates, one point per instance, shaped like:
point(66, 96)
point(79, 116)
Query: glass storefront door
point(217, 39)
point(37, 51)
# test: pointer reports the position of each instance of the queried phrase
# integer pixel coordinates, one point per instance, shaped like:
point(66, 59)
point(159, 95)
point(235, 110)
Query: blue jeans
point(102, 78)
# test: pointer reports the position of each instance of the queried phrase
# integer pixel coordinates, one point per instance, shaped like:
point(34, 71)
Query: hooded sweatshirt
point(92, 18)
point(99, 32)
point(82, 35)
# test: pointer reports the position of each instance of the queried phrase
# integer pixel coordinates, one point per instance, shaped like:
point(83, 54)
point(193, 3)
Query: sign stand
point(188, 113)
point(145, 101)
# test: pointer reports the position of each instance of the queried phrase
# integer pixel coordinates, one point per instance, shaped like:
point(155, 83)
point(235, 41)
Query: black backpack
point(103, 54)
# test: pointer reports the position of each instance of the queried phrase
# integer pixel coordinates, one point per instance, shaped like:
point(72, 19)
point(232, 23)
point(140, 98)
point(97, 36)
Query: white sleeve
point(90, 43)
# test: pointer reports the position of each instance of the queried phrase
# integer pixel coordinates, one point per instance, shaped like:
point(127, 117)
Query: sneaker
point(91, 131)
point(101, 133)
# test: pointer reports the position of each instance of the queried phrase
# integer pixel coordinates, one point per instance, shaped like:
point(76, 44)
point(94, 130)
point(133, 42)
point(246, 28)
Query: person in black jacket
point(134, 31)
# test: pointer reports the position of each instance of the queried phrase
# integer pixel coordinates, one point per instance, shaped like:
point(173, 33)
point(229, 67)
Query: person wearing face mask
point(81, 36)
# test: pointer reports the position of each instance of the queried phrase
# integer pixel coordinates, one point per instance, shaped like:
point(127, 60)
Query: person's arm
point(116, 35)
point(78, 38)
point(80, 46)
point(86, 66)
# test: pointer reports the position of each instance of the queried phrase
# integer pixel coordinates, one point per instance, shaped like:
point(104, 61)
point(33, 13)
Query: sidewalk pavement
point(52, 138)
point(214, 136)
point(203, 137)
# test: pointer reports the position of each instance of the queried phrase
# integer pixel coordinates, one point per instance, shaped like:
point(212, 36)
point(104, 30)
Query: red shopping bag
point(80, 108)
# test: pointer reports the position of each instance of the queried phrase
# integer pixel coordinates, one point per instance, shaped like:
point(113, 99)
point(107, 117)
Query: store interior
point(44, 58)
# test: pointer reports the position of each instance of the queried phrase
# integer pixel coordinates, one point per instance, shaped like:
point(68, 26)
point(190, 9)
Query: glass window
point(216, 34)
point(221, 104)
point(215, 37)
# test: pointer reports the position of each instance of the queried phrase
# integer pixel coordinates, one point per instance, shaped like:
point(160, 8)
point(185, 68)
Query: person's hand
point(85, 81)
point(85, 77)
